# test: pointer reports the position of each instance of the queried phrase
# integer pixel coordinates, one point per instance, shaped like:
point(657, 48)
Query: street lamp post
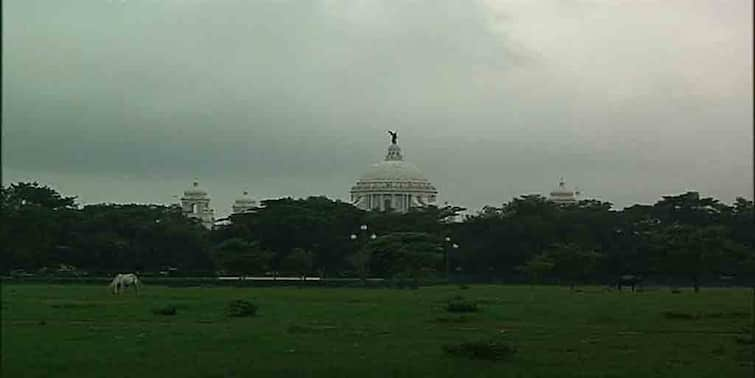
point(362, 228)
point(449, 246)
point(361, 260)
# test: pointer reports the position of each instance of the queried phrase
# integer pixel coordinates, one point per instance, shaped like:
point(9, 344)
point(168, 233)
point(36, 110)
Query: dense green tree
point(538, 266)
point(316, 224)
point(684, 236)
point(411, 253)
point(688, 209)
point(127, 237)
point(360, 261)
point(502, 239)
point(742, 222)
point(238, 256)
point(33, 218)
point(685, 251)
point(572, 263)
point(24, 194)
point(298, 261)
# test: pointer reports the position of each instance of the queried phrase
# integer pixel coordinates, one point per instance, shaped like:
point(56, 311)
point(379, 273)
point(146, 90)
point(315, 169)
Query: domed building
point(195, 203)
point(393, 184)
point(563, 196)
point(244, 204)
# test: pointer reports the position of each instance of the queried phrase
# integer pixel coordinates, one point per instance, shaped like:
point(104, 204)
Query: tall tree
point(238, 256)
point(571, 262)
point(298, 261)
point(409, 253)
point(692, 252)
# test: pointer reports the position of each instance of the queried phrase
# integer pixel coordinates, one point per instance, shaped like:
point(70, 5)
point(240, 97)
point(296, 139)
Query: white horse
point(122, 281)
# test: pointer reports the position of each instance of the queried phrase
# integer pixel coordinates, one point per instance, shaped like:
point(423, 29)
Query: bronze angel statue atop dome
point(394, 136)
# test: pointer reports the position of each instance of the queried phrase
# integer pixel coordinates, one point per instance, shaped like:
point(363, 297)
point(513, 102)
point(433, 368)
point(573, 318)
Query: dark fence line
point(652, 282)
point(218, 282)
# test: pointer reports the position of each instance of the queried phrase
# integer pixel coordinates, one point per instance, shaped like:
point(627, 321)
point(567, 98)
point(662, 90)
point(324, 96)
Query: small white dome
point(244, 203)
point(563, 195)
point(195, 191)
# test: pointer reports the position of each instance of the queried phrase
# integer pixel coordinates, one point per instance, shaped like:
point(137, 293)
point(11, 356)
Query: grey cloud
point(492, 99)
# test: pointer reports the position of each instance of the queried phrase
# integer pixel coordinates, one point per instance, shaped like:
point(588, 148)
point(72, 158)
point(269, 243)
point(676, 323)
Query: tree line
point(684, 238)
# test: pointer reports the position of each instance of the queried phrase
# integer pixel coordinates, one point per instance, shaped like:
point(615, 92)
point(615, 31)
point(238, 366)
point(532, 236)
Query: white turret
point(563, 195)
point(195, 203)
point(244, 204)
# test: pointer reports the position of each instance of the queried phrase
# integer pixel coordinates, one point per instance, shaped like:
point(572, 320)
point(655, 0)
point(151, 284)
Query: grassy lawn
point(83, 331)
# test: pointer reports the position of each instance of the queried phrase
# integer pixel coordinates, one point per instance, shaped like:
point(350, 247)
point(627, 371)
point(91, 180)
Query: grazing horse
point(628, 280)
point(122, 281)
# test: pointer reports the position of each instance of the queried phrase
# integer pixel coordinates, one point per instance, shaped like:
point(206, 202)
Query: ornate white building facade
point(393, 184)
point(195, 203)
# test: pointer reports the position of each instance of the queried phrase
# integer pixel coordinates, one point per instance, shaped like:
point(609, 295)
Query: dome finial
point(394, 153)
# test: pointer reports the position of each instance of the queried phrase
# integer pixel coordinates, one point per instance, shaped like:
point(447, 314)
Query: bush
point(482, 350)
point(168, 310)
point(459, 304)
point(454, 319)
point(744, 339)
point(404, 282)
point(241, 308)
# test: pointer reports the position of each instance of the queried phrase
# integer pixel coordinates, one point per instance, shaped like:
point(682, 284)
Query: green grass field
point(83, 331)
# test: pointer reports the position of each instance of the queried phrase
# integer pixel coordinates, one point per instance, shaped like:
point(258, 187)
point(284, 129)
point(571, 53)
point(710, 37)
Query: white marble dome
point(394, 170)
point(393, 184)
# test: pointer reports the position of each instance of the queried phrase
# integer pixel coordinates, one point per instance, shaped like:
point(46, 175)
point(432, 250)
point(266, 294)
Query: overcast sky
point(130, 100)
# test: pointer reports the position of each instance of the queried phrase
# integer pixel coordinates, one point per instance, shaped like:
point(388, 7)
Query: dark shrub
point(459, 304)
point(483, 350)
point(405, 283)
point(452, 319)
point(744, 339)
point(241, 308)
point(463, 287)
point(728, 315)
point(168, 310)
